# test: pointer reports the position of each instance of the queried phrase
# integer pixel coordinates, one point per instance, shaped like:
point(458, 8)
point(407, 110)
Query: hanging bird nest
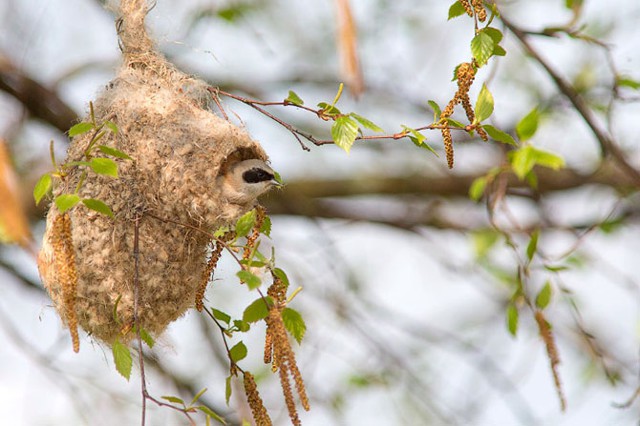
point(160, 200)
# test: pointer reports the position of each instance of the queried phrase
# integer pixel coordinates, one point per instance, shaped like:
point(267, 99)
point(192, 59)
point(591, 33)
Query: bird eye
point(256, 175)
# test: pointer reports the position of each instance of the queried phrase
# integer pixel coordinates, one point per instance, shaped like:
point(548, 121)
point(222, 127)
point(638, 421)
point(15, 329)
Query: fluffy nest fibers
point(179, 148)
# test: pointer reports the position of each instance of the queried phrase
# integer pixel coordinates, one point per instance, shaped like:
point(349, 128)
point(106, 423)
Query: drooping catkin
point(65, 262)
point(467, 7)
point(260, 415)
point(211, 265)
point(287, 366)
point(481, 13)
point(255, 233)
point(552, 353)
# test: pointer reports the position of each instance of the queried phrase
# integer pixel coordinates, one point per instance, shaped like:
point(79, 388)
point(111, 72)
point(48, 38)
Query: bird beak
point(275, 183)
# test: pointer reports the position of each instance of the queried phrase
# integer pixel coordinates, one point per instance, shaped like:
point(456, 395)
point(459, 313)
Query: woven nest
point(179, 148)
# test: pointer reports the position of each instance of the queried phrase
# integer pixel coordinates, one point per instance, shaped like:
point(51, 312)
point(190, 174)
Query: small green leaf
point(483, 241)
point(221, 316)
point(241, 325)
point(42, 188)
point(533, 244)
point(65, 202)
point(114, 152)
point(227, 390)
point(98, 206)
point(366, 123)
point(265, 228)
point(111, 126)
point(238, 352)
point(556, 268)
point(328, 109)
point(499, 51)
point(344, 132)
point(512, 319)
point(293, 98)
point(455, 123)
point(544, 296)
point(476, 190)
point(528, 126)
point(498, 135)
point(221, 231)
point(482, 48)
point(146, 338)
point(173, 399)
point(484, 105)
point(246, 223)
point(257, 310)
point(282, 276)
point(522, 161)
point(456, 10)
point(252, 280)
point(436, 109)
point(628, 82)
point(122, 359)
point(209, 412)
point(197, 396)
point(294, 323)
point(495, 34)
point(548, 159)
point(80, 128)
point(104, 166)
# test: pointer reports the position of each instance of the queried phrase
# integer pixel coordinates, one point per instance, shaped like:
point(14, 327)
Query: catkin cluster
point(552, 353)
point(279, 353)
point(465, 75)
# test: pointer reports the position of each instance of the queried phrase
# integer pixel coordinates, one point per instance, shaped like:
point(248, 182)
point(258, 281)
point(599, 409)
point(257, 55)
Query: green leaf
point(282, 275)
point(221, 231)
point(420, 138)
point(265, 228)
point(98, 206)
point(484, 105)
point(455, 123)
point(241, 325)
point(528, 126)
point(499, 51)
point(548, 159)
point(293, 98)
point(544, 296)
point(252, 280)
point(483, 241)
point(227, 390)
point(111, 126)
point(104, 166)
point(122, 359)
point(476, 190)
point(257, 310)
point(246, 223)
point(524, 159)
point(221, 316)
point(344, 132)
point(42, 188)
point(238, 352)
point(436, 109)
point(533, 244)
point(498, 135)
point(482, 48)
point(209, 412)
point(328, 109)
point(114, 152)
point(80, 128)
point(173, 399)
point(512, 319)
point(146, 338)
point(456, 10)
point(197, 396)
point(366, 123)
point(65, 202)
point(294, 323)
point(495, 34)
point(628, 82)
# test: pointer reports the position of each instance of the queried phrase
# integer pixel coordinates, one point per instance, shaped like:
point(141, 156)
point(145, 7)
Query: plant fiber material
point(179, 148)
